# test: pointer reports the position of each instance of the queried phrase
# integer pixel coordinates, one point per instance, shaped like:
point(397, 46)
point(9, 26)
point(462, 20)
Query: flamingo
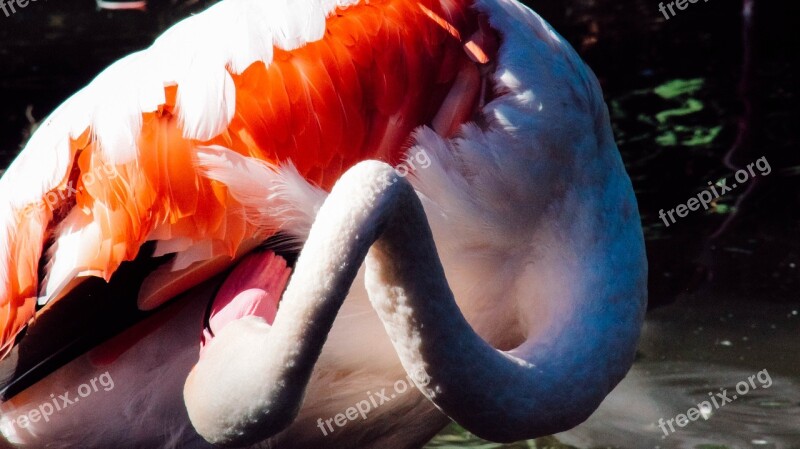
point(292, 205)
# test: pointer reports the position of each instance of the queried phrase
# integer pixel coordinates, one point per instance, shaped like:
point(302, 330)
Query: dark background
point(52, 48)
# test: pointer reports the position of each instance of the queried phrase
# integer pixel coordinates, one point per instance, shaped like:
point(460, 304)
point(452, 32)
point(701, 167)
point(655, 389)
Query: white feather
point(273, 197)
point(195, 54)
point(79, 240)
point(206, 105)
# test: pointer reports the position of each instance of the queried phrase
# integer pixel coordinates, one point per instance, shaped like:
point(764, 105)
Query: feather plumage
point(304, 88)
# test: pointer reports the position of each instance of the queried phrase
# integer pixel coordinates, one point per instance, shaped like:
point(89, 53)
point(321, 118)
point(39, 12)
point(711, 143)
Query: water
point(688, 350)
point(724, 307)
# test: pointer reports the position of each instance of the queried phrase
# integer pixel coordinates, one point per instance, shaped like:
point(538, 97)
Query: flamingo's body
point(233, 127)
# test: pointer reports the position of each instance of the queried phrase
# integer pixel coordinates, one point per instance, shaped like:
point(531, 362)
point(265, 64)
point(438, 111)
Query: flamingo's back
point(309, 84)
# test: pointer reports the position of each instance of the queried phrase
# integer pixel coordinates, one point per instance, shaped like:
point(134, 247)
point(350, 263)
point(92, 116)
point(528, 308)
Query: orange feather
point(381, 70)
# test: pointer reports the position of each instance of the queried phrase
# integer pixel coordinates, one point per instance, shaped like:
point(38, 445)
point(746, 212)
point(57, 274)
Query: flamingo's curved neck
point(562, 208)
point(496, 395)
point(582, 295)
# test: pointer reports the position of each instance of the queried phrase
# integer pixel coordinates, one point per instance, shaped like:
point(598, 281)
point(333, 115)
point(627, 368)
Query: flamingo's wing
point(283, 90)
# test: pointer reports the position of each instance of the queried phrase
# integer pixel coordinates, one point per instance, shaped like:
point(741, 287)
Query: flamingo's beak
point(249, 298)
point(253, 288)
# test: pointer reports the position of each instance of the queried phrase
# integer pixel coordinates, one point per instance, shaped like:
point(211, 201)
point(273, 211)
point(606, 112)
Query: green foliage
point(679, 87)
point(673, 116)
